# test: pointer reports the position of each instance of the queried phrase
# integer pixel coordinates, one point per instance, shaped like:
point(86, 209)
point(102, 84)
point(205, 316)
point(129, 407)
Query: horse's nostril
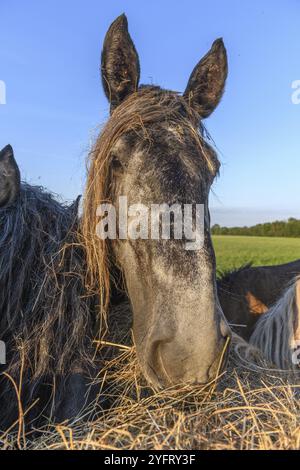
point(156, 363)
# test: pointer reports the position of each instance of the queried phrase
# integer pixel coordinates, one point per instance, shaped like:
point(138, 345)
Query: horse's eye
point(116, 164)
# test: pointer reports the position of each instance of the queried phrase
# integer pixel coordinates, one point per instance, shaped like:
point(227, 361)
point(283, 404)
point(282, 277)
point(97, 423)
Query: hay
point(247, 408)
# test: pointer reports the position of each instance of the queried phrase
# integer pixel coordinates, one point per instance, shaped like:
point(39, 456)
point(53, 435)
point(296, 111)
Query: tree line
point(289, 228)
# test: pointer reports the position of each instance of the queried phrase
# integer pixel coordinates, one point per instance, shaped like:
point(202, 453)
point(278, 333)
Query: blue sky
point(49, 61)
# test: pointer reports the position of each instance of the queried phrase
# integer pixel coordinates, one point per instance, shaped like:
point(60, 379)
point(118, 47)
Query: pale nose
point(176, 359)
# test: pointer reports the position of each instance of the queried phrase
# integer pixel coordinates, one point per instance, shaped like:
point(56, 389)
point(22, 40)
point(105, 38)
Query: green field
point(234, 251)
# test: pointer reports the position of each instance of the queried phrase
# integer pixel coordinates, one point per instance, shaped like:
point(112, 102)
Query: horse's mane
point(274, 332)
point(45, 314)
point(228, 276)
point(149, 104)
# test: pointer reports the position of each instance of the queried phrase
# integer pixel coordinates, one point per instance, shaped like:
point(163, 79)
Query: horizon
point(247, 217)
point(52, 115)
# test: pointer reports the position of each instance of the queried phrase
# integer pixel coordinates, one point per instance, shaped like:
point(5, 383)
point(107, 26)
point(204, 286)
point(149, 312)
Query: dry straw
point(244, 409)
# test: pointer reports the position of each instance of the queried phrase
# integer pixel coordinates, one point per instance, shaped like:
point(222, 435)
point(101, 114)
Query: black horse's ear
point(120, 65)
point(10, 180)
point(207, 82)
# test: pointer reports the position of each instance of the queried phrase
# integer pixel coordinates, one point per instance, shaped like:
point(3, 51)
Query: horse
point(277, 332)
point(154, 151)
point(249, 292)
point(47, 317)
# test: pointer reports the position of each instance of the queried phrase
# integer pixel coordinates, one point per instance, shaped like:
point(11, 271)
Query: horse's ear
point(119, 63)
point(10, 180)
point(207, 82)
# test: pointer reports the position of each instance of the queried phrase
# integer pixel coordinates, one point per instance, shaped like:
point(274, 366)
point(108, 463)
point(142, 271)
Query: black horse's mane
point(228, 276)
point(46, 314)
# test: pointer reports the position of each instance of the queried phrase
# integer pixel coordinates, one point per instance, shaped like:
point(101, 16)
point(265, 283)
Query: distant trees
point(289, 228)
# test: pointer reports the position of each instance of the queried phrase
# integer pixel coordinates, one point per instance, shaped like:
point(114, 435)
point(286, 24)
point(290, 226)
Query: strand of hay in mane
point(148, 105)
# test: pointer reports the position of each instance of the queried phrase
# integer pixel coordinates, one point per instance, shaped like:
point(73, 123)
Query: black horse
point(46, 314)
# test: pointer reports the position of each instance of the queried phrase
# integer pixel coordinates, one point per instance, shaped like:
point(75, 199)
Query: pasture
point(234, 251)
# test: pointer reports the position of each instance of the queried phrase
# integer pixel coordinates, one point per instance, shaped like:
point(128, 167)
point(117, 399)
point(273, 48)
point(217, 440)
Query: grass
point(235, 251)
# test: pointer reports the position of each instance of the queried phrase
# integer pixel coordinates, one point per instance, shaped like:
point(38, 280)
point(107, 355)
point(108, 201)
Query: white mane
point(275, 334)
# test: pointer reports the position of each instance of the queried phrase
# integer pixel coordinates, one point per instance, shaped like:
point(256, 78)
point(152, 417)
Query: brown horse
point(247, 293)
point(153, 151)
